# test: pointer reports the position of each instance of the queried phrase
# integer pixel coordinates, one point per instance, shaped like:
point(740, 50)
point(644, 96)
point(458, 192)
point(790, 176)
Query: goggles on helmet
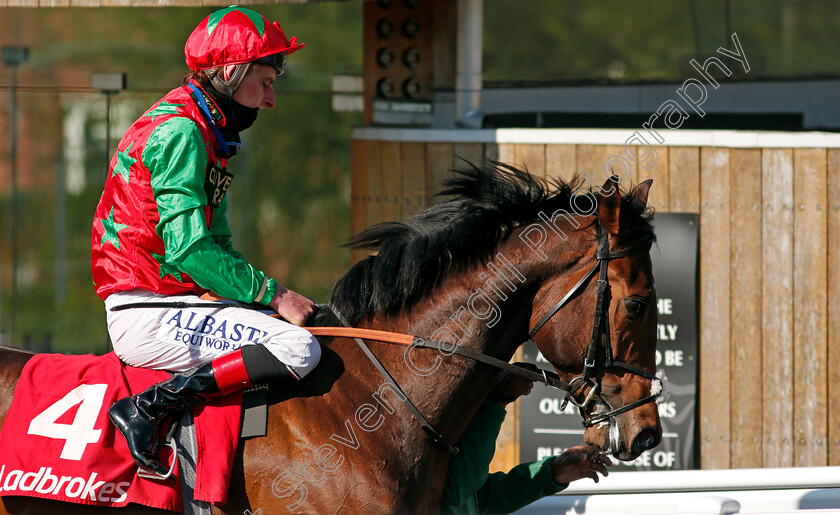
point(276, 61)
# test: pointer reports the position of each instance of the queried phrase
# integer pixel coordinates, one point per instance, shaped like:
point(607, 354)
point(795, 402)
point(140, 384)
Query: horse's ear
point(640, 193)
point(609, 205)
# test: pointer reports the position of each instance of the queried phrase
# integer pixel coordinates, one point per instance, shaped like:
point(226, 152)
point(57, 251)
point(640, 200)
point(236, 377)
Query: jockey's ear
point(609, 204)
point(640, 193)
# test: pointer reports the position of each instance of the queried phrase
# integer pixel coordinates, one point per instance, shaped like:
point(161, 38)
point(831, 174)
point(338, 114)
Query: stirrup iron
point(151, 474)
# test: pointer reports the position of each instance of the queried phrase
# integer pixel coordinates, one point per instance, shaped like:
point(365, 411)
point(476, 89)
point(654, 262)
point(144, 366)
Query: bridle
point(600, 333)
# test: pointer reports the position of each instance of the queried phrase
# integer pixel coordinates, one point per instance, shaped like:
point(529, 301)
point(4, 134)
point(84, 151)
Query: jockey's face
point(256, 89)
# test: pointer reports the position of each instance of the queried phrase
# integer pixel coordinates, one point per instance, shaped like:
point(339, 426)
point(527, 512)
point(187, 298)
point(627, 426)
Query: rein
point(544, 376)
point(549, 378)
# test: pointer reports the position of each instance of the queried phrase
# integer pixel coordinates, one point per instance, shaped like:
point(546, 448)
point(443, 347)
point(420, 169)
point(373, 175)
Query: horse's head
point(500, 254)
point(608, 359)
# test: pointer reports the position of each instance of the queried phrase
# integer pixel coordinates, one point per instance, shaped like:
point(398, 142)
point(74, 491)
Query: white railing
point(811, 490)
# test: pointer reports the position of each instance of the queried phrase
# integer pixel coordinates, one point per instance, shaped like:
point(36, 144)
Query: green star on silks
point(167, 269)
point(163, 108)
point(111, 230)
point(124, 161)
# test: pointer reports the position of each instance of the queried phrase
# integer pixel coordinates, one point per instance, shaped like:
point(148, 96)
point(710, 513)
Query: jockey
point(160, 236)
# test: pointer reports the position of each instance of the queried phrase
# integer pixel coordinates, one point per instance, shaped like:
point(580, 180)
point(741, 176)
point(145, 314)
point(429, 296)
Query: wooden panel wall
point(832, 208)
point(777, 307)
point(715, 324)
point(769, 353)
point(810, 338)
point(745, 386)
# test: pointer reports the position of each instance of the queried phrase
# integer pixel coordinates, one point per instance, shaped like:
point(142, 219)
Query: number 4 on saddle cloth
point(58, 443)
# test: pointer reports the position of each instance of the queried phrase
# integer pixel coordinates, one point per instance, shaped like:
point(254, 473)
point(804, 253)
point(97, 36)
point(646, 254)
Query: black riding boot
point(142, 418)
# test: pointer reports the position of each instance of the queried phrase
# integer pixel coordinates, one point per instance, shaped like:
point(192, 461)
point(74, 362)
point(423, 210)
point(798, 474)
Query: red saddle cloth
point(58, 443)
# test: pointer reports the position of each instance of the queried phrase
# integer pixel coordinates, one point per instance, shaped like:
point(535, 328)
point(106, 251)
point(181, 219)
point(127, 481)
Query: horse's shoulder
point(12, 361)
point(318, 383)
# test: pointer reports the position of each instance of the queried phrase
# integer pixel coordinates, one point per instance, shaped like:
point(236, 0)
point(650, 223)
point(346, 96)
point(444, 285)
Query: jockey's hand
point(292, 306)
point(579, 462)
point(510, 387)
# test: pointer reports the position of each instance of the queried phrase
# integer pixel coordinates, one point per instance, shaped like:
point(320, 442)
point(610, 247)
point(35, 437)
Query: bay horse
point(504, 254)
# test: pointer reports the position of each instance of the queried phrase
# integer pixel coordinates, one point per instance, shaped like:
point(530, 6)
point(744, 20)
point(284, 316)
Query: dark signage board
point(545, 429)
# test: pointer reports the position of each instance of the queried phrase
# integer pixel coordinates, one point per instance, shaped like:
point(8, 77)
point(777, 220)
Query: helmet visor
point(276, 61)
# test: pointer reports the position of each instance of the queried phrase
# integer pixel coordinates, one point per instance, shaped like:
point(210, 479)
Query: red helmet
point(235, 36)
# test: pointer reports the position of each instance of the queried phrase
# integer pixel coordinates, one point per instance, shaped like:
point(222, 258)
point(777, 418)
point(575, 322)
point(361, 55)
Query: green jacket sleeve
point(470, 489)
point(176, 159)
point(468, 469)
point(220, 230)
point(522, 485)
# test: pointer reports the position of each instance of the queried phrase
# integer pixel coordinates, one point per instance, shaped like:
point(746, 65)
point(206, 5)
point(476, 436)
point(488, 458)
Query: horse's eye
point(635, 306)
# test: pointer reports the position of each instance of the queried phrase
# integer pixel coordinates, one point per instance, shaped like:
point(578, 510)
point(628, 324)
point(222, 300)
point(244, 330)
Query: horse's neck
point(467, 312)
point(486, 309)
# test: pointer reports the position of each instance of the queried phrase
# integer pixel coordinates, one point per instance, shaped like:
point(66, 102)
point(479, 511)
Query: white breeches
point(178, 339)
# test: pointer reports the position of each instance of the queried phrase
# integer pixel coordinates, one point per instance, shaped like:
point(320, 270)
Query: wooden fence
point(769, 205)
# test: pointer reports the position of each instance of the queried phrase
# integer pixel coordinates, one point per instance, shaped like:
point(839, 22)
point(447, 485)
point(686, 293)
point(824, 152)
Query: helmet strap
point(228, 85)
point(226, 149)
point(237, 116)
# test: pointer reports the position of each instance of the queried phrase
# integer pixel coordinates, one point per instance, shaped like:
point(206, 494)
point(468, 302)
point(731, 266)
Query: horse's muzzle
point(646, 439)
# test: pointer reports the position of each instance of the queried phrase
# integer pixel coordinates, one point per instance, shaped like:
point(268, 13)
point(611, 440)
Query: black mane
point(486, 204)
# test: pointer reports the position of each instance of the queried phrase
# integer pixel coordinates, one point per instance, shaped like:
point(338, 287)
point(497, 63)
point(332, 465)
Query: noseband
point(600, 333)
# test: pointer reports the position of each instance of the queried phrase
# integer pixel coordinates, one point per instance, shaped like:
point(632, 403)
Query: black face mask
point(240, 117)
point(237, 116)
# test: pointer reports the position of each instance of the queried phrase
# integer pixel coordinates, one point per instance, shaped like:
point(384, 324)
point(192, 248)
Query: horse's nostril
point(647, 439)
